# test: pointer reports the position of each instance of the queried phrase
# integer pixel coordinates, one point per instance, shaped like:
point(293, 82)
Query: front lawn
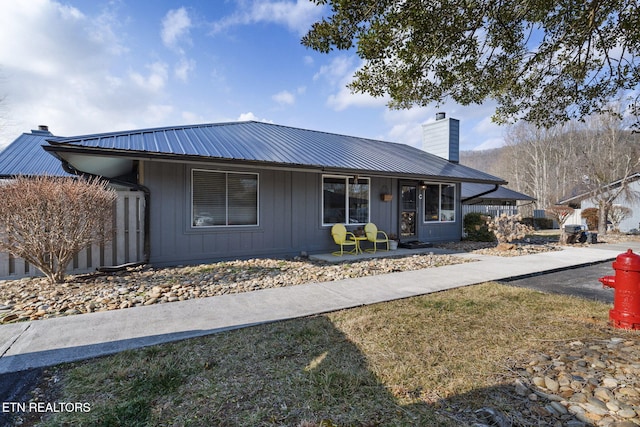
point(429, 360)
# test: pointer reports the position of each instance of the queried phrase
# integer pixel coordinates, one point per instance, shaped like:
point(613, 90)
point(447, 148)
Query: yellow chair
point(375, 236)
point(339, 233)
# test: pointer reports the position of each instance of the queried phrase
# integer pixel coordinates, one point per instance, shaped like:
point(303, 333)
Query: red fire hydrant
point(626, 298)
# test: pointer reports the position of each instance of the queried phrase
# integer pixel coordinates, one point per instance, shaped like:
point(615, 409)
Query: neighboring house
point(25, 156)
point(583, 201)
point(488, 199)
point(251, 189)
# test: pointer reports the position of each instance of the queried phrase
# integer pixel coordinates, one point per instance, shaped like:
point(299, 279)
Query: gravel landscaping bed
point(35, 298)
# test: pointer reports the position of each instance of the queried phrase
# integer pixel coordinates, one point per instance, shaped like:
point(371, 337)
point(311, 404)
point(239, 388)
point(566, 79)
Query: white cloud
point(338, 74)
point(67, 69)
point(183, 68)
point(344, 99)
point(296, 16)
point(156, 79)
point(247, 116)
point(284, 98)
point(340, 68)
point(406, 125)
point(175, 28)
point(250, 116)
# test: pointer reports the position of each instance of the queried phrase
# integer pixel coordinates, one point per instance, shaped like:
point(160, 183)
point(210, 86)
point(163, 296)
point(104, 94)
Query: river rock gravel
point(583, 383)
point(35, 298)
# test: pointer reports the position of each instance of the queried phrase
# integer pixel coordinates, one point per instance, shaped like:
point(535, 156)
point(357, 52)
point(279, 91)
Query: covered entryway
point(408, 216)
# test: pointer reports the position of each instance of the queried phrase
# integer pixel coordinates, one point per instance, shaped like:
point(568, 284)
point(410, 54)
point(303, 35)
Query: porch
point(400, 252)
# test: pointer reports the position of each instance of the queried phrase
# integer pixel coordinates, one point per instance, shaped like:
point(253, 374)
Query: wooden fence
point(126, 246)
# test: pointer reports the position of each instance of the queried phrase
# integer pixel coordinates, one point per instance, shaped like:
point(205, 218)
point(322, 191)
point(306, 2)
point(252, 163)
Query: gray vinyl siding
point(289, 217)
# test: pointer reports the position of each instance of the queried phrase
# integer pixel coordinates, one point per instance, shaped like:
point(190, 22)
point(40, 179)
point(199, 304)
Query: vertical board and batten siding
point(440, 231)
point(289, 217)
point(127, 243)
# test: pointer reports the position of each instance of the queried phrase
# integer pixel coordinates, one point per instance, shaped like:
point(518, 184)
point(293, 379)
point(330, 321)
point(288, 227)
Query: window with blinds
point(223, 198)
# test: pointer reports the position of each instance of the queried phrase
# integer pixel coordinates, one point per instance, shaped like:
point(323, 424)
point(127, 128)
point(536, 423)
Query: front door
point(408, 211)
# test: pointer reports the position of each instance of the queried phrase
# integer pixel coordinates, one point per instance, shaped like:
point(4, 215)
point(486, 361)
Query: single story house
point(629, 199)
point(251, 189)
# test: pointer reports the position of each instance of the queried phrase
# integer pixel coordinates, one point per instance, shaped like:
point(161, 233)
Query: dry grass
point(419, 361)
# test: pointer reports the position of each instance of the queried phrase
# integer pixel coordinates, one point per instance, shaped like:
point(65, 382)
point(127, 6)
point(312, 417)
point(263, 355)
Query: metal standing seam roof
point(469, 190)
point(276, 144)
point(25, 156)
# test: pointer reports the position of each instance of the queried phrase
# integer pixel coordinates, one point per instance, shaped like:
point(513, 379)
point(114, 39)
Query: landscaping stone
point(33, 299)
point(604, 389)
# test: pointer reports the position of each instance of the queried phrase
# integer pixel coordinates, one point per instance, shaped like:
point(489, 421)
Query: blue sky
point(91, 66)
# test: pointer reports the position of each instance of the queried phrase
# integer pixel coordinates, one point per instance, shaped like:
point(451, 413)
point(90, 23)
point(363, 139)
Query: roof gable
point(25, 156)
point(264, 143)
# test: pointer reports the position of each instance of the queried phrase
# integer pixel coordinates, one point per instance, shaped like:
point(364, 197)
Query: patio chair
point(375, 236)
point(343, 238)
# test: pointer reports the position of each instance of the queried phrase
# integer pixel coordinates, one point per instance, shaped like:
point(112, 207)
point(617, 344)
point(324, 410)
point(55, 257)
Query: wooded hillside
point(551, 164)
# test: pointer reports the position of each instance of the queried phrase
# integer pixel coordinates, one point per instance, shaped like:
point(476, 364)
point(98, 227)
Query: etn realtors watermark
point(45, 407)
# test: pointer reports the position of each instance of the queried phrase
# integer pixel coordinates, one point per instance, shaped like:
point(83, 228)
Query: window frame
point(226, 200)
point(440, 185)
point(347, 179)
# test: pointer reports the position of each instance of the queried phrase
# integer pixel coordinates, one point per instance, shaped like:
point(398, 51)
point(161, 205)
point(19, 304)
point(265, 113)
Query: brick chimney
point(442, 138)
point(42, 130)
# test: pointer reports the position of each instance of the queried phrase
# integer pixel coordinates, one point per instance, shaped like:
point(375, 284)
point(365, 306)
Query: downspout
point(495, 188)
point(136, 187)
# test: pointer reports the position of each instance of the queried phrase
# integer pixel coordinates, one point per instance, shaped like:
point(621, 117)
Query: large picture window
point(223, 198)
point(440, 203)
point(345, 200)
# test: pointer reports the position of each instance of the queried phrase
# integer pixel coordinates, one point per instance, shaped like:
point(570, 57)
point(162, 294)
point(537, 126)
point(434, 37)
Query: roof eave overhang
point(123, 159)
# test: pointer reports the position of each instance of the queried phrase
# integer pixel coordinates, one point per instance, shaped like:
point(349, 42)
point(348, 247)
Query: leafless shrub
point(47, 220)
point(561, 214)
point(617, 214)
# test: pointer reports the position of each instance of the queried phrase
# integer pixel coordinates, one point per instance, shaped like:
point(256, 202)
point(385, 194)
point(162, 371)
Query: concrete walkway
point(48, 342)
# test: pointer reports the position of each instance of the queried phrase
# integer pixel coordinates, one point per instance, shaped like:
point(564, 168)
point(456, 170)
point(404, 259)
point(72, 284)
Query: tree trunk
point(602, 219)
point(563, 236)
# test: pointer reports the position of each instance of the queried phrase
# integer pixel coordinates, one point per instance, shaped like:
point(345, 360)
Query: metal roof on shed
point(472, 190)
point(25, 156)
point(276, 145)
